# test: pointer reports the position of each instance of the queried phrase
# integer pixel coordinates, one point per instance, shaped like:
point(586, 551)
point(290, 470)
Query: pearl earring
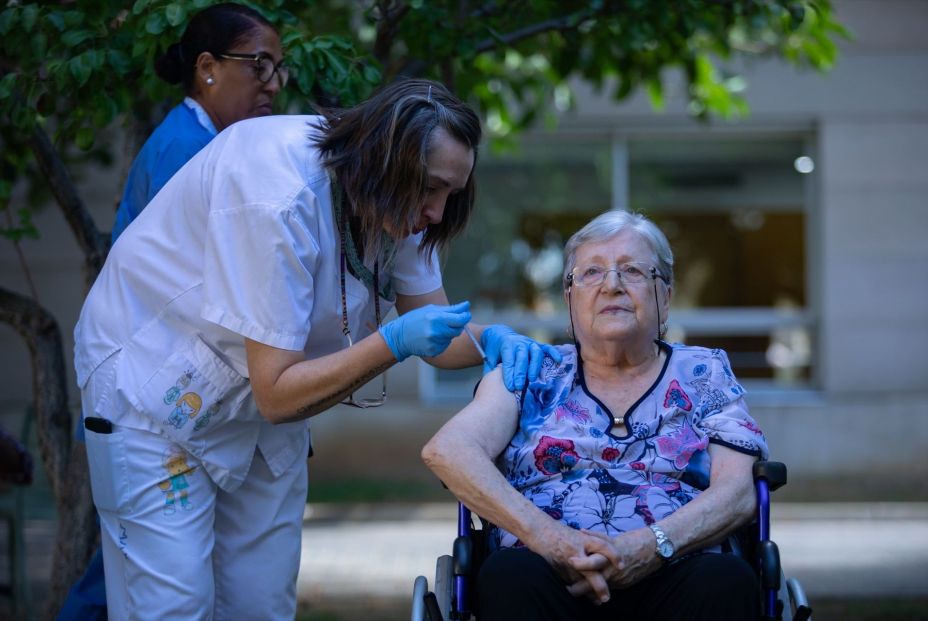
point(210, 80)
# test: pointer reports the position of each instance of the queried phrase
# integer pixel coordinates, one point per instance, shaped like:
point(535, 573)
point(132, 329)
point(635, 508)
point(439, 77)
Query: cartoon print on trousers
point(175, 462)
point(187, 407)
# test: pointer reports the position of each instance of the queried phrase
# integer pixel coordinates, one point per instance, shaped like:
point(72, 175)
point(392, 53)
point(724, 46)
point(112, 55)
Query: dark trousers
point(519, 584)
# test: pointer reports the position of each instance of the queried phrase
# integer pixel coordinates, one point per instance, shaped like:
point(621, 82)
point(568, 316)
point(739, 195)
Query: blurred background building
point(799, 234)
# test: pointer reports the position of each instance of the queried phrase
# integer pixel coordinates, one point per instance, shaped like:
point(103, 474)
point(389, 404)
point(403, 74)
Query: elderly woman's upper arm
point(732, 472)
point(486, 424)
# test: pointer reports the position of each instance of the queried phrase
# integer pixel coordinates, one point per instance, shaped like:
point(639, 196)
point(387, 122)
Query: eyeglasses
point(360, 403)
point(366, 403)
point(264, 67)
point(628, 273)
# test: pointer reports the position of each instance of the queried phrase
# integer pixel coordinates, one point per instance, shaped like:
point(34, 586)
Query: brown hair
point(378, 151)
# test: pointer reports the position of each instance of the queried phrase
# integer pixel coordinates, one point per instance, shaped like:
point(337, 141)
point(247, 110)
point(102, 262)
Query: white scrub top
point(241, 242)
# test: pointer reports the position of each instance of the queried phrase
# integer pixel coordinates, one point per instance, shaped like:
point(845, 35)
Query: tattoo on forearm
point(338, 395)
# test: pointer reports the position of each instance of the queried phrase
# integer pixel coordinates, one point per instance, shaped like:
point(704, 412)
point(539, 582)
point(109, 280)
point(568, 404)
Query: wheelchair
point(782, 599)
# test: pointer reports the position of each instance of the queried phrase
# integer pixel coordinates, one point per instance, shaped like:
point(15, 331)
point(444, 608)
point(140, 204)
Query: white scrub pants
point(175, 546)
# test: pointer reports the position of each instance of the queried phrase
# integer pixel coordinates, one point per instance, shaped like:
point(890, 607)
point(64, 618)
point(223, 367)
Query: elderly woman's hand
point(622, 561)
point(521, 356)
point(560, 545)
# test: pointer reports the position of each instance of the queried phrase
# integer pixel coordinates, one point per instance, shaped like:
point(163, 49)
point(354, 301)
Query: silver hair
point(609, 224)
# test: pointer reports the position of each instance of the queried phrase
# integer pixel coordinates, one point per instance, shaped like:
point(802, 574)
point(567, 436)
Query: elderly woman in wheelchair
point(613, 478)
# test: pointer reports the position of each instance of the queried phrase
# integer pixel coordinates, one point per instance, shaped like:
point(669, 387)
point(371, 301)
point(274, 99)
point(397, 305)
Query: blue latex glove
point(425, 331)
point(520, 355)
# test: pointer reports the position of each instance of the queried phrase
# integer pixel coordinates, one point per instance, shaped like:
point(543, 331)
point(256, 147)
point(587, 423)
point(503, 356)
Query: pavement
point(836, 550)
point(367, 555)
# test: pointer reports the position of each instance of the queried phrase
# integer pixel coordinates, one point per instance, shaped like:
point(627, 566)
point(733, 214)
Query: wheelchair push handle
point(773, 472)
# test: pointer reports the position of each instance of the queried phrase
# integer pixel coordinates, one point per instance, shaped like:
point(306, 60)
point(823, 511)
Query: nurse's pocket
point(191, 394)
point(106, 458)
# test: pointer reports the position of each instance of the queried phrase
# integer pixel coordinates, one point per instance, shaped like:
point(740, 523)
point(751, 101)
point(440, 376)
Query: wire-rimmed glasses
point(367, 402)
point(629, 274)
point(264, 66)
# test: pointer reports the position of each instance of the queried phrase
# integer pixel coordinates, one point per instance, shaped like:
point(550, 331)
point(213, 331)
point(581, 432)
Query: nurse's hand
point(520, 355)
point(425, 331)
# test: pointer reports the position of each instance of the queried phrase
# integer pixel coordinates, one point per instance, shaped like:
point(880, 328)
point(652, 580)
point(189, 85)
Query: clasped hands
point(592, 563)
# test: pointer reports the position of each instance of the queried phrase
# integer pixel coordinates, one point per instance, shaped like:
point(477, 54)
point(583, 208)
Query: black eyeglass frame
point(281, 69)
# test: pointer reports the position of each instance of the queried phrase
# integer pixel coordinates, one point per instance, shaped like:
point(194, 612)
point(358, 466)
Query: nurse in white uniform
point(247, 297)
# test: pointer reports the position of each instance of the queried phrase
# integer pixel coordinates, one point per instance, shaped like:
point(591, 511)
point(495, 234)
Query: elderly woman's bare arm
point(727, 504)
point(462, 455)
point(722, 508)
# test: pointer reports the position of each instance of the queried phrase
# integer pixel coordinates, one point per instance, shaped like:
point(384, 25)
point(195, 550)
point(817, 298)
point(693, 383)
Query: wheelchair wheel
point(444, 584)
point(798, 602)
point(419, 589)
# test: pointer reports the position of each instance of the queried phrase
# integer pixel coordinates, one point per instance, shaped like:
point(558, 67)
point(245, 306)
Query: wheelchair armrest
point(463, 554)
point(768, 559)
point(774, 472)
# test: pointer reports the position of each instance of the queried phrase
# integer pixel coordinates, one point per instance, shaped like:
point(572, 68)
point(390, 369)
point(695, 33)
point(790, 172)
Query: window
point(734, 210)
point(733, 207)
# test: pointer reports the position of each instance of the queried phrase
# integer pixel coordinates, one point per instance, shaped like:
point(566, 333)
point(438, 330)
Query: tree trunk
point(65, 468)
point(78, 534)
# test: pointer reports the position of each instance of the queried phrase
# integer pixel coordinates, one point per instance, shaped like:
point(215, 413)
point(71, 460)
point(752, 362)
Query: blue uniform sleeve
point(171, 145)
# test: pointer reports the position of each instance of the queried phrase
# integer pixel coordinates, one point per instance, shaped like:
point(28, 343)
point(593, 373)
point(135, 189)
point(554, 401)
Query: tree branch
point(416, 67)
point(567, 22)
point(66, 469)
point(390, 17)
point(43, 338)
point(93, 244)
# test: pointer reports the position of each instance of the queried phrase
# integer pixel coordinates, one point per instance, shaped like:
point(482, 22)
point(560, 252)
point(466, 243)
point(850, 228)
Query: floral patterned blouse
point(565, 459)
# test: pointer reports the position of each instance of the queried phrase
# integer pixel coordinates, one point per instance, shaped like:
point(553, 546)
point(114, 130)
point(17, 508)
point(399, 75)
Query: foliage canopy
point(74, 68)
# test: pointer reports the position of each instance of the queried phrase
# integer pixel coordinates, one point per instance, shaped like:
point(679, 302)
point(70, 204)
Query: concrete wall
point(55, 262)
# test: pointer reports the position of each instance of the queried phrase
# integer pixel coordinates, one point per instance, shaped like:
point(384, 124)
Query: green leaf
point(291, 37)
point(8, 19)
point(656, 94)
point(39, 44)
point(73, 38)
point(104, 110)
point(6, 85)
point(305, 81)
point(57, 20)
point(335, 64)
point(119, 61)
point(30, 15)
point(80, 68)
point(73, 19)
point(84, 138)
point(140, 6)
point(176, 14)
point(140, 47)
point(155, 24)
point(372, 74)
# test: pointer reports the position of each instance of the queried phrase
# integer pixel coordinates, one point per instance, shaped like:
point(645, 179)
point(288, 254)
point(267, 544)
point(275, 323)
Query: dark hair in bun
point(215, 29)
